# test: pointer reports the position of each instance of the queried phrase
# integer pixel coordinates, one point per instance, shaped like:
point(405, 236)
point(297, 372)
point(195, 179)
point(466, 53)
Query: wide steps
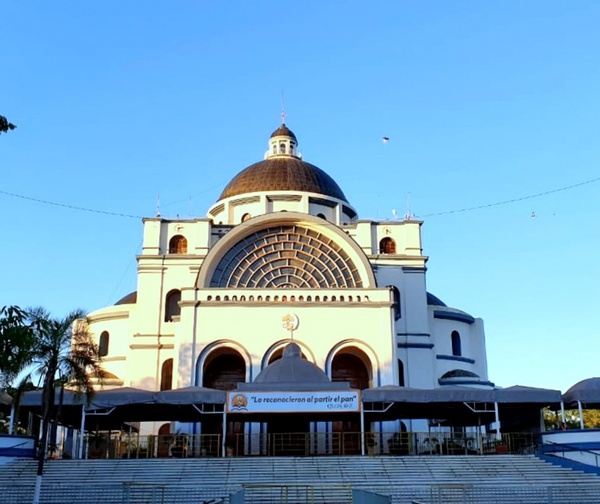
point(184, 480)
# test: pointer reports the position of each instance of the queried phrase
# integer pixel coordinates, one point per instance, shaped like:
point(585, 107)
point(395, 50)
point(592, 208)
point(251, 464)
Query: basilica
point(282, 256)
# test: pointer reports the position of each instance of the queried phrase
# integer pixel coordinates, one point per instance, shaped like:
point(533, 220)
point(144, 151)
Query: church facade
point(283, 256)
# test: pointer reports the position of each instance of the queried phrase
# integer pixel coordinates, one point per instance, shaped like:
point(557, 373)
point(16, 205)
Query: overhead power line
point(72, 207)
point(435, 214)
point(514, 200)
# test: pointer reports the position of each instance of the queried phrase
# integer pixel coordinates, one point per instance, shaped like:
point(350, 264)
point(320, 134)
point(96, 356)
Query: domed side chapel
point(283, 257)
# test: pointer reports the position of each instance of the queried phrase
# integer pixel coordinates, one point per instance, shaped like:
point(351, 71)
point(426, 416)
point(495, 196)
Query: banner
point(347, 401)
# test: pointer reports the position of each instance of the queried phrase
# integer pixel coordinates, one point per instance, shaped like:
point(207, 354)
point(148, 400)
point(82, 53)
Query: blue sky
point(483, 102)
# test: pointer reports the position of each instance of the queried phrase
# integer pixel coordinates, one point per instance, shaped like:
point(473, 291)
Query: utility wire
point(435, 214)
point(514, 200)
point(72, 207)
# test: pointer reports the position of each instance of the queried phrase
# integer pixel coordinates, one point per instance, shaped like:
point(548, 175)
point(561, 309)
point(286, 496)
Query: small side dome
point(434, 300)
point(131, 298)
point(459, 373)
point(292, 368)
point(463, 377)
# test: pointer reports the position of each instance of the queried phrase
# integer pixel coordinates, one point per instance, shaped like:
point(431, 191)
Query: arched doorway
point(350, 365)
point(223, 369)
point(164, 440)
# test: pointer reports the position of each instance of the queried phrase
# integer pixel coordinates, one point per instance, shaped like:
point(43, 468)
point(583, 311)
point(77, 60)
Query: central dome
point(283, 170)
point(283, 174)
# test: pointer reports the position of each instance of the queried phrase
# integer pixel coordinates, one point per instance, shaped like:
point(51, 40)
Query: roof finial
point(282, 108)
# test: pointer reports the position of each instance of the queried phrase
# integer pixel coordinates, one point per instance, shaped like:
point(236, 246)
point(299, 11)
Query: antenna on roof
point(408, 215)
point(158, 205)
point(282, 108)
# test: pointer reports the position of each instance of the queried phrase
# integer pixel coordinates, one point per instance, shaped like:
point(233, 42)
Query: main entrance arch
point(351, 365)
point(223, 369)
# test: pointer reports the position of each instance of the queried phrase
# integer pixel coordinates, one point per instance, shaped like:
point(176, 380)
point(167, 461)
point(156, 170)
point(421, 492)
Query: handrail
point(568, 447)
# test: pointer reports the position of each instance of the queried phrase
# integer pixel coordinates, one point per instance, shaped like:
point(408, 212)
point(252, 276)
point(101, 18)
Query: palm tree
point(65, 353)
point(17, 342)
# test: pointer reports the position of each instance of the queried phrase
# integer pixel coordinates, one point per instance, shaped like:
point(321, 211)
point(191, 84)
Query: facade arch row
point(278, 347)
point(221, 347)
point(356, 347)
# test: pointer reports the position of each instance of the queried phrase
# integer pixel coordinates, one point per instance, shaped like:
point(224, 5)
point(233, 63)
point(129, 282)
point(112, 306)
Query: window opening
point(172, 308)
point(178, 245)
point(387, 246)
point(103, 344)
point(456, 347)
point(166, 375)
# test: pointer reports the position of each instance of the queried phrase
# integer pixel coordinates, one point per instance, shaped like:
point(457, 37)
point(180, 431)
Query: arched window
point(395, 301)
point(282, 148)
point(172, 308)
point(103, 344)
point(178, 245)
point(456, 350)
point(401, 380)
point(387, 246)
point(321, 216)
point(166, 375)
point(245, 217)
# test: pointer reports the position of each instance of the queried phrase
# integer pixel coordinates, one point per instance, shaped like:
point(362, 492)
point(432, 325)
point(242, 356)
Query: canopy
point(126, 404)
point(456, 405)
point(586, 392)
point(191, 395)
point(121, 396)
point(450, 394)
point(531, 395)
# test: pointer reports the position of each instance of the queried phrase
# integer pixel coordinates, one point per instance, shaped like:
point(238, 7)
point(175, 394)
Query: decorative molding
point(419, 335)
point(458, 317)
point(108, 316)
point(153, 346)
point(455, 358)
point(114, 359)
point(414, 269)
point(154, 335)
point(466, 381)
point(427, 346)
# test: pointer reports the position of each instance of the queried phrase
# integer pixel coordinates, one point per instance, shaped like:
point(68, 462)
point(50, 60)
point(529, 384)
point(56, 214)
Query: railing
point(297, 494)
point(118, 493)
point(121, 445)
point(565, 448)
point(400, 494)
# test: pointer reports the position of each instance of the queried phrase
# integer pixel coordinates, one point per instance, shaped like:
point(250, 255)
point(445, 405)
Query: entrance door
point(350, 365)
point(289, 436)
point(224, 369)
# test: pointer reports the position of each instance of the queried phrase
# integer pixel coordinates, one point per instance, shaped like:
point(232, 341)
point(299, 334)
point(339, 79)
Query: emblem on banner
point(239, 403)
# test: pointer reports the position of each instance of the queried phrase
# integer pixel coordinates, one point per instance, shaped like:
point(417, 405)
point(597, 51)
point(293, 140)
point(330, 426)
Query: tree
point(17, 341)
point(591, 419)
point(5, 125)
point(65, 353)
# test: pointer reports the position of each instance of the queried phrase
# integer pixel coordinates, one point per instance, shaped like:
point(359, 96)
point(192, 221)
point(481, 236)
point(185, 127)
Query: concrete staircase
point(428, 479)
